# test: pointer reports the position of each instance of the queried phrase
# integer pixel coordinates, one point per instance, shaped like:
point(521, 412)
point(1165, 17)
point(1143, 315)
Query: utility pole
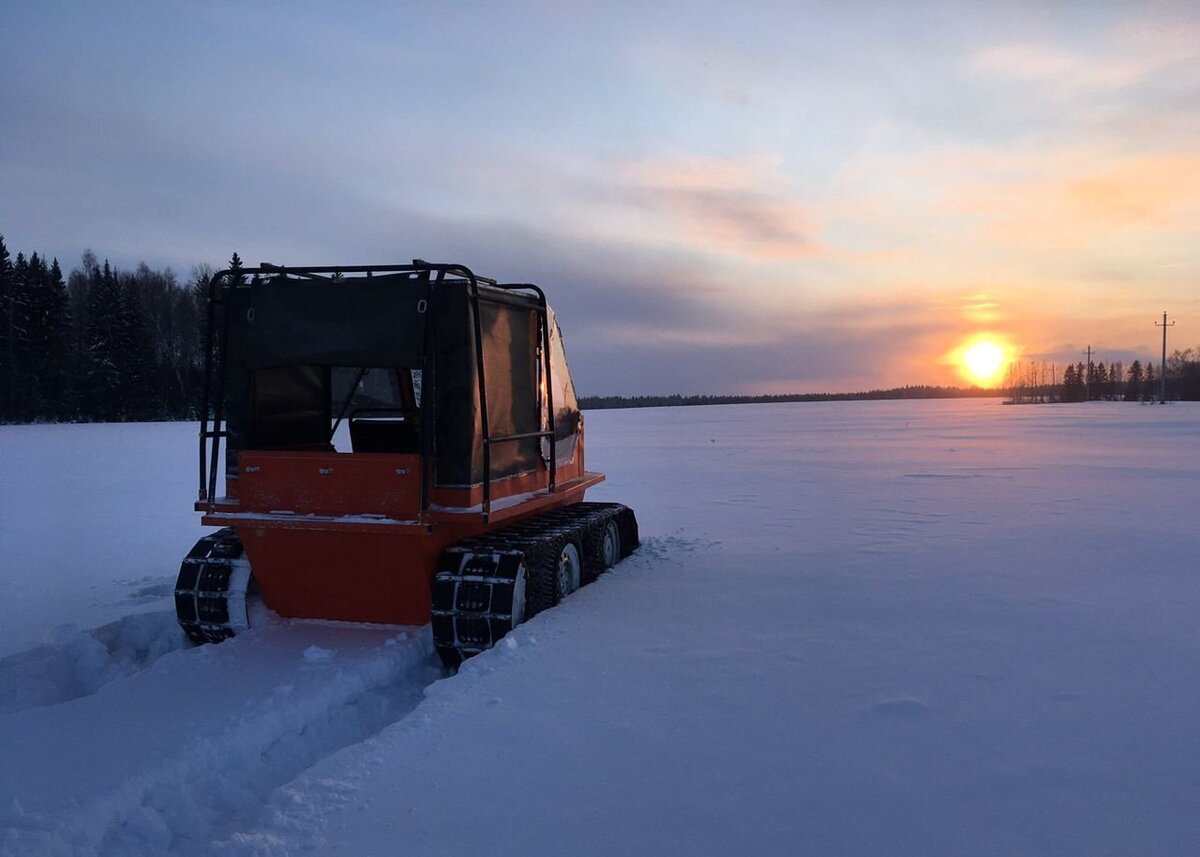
point(1162, 373)
point(1087, 378)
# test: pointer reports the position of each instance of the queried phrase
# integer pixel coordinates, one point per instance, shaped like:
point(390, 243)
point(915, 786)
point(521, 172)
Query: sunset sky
point(718, 197)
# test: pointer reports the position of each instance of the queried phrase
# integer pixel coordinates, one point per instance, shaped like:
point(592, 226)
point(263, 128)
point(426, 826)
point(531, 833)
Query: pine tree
point(37, 340)
point(18, 343)
point(7, 337)
point(135, 356)
point(102, 361)
point(59, 352)
point(1099, 381)
point(1133, 387)
point(235, 265)
point(1074, 389)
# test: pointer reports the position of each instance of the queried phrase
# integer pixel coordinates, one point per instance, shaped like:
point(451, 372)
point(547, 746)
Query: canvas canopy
point(287, 340)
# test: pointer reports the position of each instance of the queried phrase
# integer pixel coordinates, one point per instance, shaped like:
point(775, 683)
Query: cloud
point(815, 360)
point(1069, 71)
point(730, 209)
point(739, 207)
point(981, 309)
point(1029, 213)
point(1088, 205)
point(1125, 57)
point(736, 221)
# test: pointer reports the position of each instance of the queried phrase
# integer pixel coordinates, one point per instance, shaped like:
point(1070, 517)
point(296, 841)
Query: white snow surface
point(861, 628)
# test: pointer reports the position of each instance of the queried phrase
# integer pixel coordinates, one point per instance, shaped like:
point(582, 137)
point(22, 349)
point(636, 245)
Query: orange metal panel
point(328, 483)
point(349, 576)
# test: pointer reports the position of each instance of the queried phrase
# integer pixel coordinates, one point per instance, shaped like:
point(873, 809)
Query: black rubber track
point(537, 543)
point(202, 588)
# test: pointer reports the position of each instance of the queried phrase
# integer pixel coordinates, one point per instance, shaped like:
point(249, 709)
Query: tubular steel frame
point(213, 401)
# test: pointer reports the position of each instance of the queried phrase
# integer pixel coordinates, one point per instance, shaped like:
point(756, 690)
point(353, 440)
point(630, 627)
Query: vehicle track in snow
point(188, 746)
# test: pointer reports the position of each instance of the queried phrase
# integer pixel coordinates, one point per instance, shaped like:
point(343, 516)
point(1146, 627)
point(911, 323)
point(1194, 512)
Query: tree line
point(98, 344)
point(1036, 382)
point(917, 391)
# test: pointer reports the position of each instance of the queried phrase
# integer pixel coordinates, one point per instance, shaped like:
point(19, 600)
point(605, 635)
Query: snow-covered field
point(920, 628)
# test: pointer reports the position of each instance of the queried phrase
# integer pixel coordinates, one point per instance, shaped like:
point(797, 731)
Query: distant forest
point(99, 344)
point(677, 400)
point(107, 345)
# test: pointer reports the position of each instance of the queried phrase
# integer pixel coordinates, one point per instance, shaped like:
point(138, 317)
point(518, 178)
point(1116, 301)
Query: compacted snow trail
point(167, 758)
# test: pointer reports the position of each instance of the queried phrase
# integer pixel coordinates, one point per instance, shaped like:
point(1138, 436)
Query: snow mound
point(317, 655)
point(76, 663)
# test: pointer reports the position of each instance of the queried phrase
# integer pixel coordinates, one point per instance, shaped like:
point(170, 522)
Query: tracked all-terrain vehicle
point(402, 444)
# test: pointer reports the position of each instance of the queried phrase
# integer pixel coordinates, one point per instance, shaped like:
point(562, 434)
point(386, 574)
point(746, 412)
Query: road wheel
point(610, 545)
point(570, 571)
point(553, 575)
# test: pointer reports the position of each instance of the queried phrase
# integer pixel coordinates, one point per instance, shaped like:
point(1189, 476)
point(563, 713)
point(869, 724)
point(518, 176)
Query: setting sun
point(982, 360)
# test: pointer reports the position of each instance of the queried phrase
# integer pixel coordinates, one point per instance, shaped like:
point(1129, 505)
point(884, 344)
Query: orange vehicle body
point(341, 536)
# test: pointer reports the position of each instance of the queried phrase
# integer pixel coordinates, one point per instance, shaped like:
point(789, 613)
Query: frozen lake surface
point(854, 628)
